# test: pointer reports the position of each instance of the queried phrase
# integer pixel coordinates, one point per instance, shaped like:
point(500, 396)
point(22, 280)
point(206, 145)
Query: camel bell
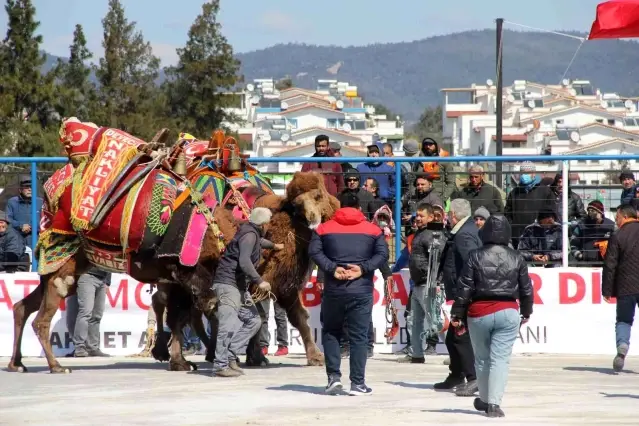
point(235, 163)
point(180, 164)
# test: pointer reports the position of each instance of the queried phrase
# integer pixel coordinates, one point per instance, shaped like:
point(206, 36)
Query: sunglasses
point(352, 180)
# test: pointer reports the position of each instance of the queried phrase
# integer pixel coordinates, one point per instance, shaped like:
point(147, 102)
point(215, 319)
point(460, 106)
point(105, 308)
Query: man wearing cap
point(480, 193)
point(354, 186)
point(19, 211)
point(381, 172)
point(422, 193)
point(443, 179)
point(332, 172)
point(526, 200)
point(235, 273)
point(596, 227)
point(541, 241)
point(336, 151)
point(11, 246)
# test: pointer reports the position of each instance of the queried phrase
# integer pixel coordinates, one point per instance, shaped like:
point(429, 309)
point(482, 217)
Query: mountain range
point(407, 77)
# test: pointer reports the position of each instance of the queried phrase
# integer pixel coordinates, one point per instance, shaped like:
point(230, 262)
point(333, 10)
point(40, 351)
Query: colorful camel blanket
point(91, 181)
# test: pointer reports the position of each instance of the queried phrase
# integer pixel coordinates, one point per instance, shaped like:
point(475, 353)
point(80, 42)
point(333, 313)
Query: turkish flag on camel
point(616, 19)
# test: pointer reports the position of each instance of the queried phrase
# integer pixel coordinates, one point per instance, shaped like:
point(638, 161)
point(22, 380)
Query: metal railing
point(564, 161)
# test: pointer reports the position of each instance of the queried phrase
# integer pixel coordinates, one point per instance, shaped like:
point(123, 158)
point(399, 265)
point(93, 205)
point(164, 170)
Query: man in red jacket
point(348, 248)
point(333, 179)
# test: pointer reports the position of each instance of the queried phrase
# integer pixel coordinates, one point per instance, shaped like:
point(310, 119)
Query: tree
point(284, 83)
point(25, 93)
point(430, 124)
point(77, 92)
point(383, 110)
point(206, 69)
point(126, 76)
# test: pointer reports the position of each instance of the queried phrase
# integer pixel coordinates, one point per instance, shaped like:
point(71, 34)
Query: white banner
point(570, 316)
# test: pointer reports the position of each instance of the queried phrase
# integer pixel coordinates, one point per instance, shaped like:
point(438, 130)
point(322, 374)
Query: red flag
point(616, 19)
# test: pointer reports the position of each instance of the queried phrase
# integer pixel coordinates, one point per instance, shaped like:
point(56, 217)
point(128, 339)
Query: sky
point(256, 24)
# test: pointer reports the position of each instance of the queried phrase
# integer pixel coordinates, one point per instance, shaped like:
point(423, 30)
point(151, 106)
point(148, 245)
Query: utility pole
point(499, 144)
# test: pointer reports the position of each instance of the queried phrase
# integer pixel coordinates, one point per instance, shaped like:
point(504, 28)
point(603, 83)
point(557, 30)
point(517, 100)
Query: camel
point(306, 205)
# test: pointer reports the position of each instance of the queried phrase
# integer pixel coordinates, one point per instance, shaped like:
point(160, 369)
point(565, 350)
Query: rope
point(545, 31)
point(258, 296)
point(573, 59)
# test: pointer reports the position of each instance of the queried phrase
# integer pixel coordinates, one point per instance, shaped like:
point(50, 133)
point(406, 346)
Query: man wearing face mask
point(589, 231)
point(541, 242)
point(526, 200)
point(381, 172)
point(332, 172)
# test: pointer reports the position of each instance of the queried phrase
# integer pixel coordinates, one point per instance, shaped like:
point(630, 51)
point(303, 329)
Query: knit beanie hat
point(626, 175)
point(482, 212)
point(597, 206)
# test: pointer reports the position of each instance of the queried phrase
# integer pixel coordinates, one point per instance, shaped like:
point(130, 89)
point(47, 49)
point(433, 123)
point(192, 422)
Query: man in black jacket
point(463, 239)
point(576, 210)
point(348, 248)
point(12, 247)
point(526, 200)
point(424, 241)
point(541, 242)
point(353, 186)
point(620, 272)
point(480, 193)
point(595, 228)
point(233, 277)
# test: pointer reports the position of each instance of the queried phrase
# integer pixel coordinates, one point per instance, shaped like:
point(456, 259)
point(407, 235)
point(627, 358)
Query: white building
point(543, 119)
point(286, 122)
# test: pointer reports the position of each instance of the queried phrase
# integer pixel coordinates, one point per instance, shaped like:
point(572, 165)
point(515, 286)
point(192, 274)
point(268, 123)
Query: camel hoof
point(17, 368)
point(179, 366)
point(60, 370)
point(316, 360)
point(192, 365)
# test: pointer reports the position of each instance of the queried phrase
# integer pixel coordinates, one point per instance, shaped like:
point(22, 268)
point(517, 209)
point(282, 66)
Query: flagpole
point(499, 112)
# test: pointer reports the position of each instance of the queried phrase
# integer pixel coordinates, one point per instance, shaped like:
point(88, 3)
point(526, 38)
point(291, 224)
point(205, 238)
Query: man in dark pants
point(84, 313)
point(281, 332)
point(348, 248)
point(620, 272)
point(463, 239)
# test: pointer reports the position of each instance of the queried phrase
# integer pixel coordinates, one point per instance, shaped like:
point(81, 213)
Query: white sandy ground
point(542, 390)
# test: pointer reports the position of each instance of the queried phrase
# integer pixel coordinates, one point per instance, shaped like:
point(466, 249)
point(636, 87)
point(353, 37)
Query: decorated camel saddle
point(119, 193)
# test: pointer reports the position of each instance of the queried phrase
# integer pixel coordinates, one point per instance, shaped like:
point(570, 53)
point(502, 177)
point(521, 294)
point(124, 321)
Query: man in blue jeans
point(348, 248)
point(620, 272)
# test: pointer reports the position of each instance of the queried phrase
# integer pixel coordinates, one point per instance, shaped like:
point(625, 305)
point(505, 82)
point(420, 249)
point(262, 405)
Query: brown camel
point(287, 270)
point(306, 205)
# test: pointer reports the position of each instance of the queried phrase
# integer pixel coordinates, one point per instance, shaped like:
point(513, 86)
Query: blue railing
point(564, 159)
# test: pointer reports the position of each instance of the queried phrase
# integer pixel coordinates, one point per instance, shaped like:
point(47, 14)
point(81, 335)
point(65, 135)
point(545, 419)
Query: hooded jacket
point(348, 238)
point(12, 247)
point(332, 173)
point(441, 173)
point(621, 269)
point(494, 272)
point(463, 239)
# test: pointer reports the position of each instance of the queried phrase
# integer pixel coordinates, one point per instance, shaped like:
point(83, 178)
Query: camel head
point(308, 195)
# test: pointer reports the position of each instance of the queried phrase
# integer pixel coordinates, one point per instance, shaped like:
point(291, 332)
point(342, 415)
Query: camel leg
point(177, 318)
point(42, 322)
point(298, 317)
point(21, 312)
point(210, 349)
point(160, 350)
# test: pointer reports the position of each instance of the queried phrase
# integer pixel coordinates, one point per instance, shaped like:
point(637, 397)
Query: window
point(518, 96)
point(293, 123)
point(534, 103)
point(583, 89)
point(631, 121)
point(270, 103)
point(617, 103)
point(560, 121)
point(514, 145)
point(334, 123)
point(599, 120)
point(595, 182)
point(357, 124)
point(582, 161)
point(611, 121)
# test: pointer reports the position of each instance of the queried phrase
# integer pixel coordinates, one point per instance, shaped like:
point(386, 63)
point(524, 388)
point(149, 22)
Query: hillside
point(406, 77)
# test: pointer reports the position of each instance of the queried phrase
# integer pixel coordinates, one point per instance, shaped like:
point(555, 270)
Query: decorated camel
point(126, 206)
